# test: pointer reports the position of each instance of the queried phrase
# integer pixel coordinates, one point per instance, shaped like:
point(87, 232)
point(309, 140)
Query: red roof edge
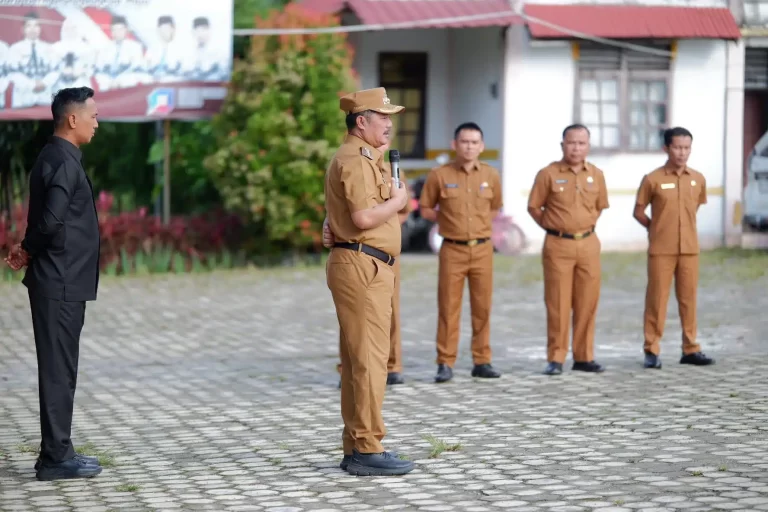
point(631, 22)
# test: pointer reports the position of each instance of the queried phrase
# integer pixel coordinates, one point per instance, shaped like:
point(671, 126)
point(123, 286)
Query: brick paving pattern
point(218, 392)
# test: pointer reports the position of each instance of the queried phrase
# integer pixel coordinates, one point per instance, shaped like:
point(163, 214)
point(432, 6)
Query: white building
point(523, 78)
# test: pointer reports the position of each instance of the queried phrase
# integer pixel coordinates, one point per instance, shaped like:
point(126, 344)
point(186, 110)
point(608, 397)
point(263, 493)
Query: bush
point(134, 242)
point(278, 129)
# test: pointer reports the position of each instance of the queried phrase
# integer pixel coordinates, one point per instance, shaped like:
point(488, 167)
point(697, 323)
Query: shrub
point(134, 242)
point(278, 129)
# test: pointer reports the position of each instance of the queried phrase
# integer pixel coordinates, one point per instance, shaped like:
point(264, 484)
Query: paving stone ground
point(218, 392)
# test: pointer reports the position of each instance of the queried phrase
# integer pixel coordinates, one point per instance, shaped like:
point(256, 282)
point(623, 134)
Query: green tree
point(279, 127)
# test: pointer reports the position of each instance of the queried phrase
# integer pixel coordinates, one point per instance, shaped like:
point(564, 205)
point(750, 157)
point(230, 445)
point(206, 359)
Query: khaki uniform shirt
point(355, 181)
point(572, 201)
point(674, 200)
point(466, 199)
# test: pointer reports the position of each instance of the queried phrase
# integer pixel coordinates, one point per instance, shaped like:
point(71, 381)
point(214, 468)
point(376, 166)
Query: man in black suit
point(61, 251)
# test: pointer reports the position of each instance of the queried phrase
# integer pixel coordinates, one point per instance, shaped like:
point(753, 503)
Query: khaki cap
point(369, 99)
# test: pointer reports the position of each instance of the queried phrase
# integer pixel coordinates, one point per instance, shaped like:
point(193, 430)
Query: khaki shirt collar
point(668, 170)
point(459, 167)
point(360, 143)
point(563, 166)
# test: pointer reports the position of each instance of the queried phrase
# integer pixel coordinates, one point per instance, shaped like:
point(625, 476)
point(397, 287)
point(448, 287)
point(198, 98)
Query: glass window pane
point(658, 114)
point(595, 136)
point(609, 90)
point(410, 121)
point(412, 99)
point(589, 90)
point(638, 91)
point(638, 114)
point(611, 136)
point(406, 143)
point(610, 112)
point(590, 113)
point(658, 91)
point(395, 96)
point(656, 139)
point(637, 138)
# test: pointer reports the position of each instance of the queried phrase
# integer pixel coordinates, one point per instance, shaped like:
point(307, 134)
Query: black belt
point(367, 249)
point(572, 236)
point(470, 243)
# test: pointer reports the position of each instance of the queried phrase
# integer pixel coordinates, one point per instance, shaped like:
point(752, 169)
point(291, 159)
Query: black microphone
point(394, 160)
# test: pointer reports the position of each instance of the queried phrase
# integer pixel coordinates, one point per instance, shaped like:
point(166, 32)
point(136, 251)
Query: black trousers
point(57, 325)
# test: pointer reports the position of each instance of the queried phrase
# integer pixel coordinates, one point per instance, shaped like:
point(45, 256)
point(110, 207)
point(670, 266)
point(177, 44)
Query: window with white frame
point(622, 96)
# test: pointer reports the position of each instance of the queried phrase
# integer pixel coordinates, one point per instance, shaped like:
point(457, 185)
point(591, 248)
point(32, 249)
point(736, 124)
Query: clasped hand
point(17, 258)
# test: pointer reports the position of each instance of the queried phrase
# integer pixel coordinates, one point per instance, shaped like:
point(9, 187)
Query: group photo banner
point(146, 59)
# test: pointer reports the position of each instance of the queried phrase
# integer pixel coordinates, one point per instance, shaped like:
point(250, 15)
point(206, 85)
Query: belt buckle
point(472, 243)
point(389, 260)
point(578, 236)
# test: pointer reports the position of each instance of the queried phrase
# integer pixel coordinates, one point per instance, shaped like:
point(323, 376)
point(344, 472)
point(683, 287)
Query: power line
point(416, 24)
point(445, 21)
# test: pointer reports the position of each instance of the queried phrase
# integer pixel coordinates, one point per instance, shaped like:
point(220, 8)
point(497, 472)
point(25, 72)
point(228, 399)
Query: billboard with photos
point(146, 59)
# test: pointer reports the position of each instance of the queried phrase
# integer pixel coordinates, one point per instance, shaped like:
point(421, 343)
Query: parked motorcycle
point(506, 236)
point(415, 229)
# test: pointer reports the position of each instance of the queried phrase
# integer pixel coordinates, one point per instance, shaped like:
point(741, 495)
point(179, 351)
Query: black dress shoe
point(345, 462)
point(697, 358)
point(69, 469)
point(444, 373)
point(378, 464)
point(394, 378)
point(93, 461)
point(589, 366)
point(652, 361)
point(485, 371)
point(553, 369)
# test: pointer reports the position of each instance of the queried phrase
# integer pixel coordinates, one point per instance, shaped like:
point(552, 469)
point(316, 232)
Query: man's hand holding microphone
point(398, 193)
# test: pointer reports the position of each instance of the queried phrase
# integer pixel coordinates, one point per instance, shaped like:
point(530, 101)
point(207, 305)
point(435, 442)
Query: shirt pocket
point(562, 194)
point(384, 192)
point(667, 193)
point(449, 193)
point(483, 199)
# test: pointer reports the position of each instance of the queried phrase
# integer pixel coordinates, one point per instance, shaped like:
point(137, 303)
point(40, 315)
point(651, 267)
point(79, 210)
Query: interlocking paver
point(218, 392)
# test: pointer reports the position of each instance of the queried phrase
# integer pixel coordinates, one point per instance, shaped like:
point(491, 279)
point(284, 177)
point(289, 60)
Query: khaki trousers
point(661, 269)
point(362, 288)
point(395, 362)
point(458, 263)
point(571, 284)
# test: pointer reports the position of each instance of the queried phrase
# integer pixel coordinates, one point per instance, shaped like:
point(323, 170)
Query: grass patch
point(697, 473)
point(127, 488)
point(439, 446)
point(105, 457)
point(28, 448)
point(722, 468)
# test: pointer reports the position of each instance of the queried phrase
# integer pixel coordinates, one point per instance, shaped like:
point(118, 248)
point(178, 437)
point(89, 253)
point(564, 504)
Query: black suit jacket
point(62, 237)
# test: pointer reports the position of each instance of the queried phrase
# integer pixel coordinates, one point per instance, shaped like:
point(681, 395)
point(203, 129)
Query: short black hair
point(467, 126)
point(677, 131)
point(65, 98)
point(165, 20)
point(31, 15)
point(202, 21)
point(119, 20)
point(351, 119)
point(575, 126)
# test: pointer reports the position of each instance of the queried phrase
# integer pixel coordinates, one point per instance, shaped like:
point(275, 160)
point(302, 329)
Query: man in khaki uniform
point(395, 362)
point(468, 194)
point(675, 192)
point(566, 200)
point(362, 212)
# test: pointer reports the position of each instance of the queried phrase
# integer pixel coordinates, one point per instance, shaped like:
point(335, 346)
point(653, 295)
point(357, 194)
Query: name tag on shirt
point(451, 185)
point(665, 186)
point(561, 181)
